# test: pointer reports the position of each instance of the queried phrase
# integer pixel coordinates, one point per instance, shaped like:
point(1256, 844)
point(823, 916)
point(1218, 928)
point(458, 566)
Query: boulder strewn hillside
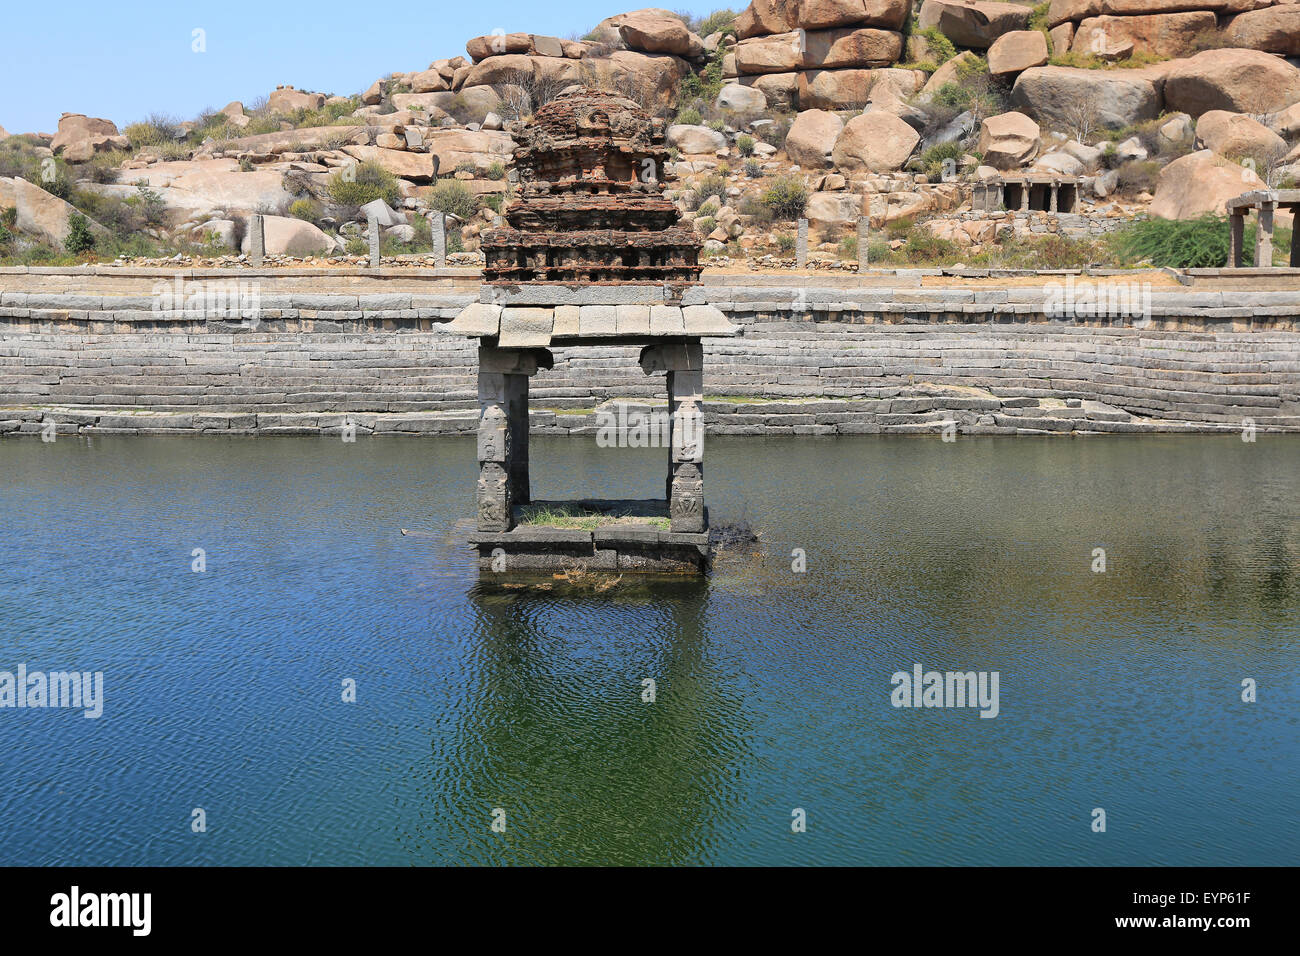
point(834, 110)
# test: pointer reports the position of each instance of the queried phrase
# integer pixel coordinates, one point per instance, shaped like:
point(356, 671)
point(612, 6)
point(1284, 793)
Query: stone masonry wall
point(816, 361)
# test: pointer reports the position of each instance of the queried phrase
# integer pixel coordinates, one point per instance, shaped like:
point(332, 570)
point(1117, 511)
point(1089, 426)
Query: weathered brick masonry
point(839, 360)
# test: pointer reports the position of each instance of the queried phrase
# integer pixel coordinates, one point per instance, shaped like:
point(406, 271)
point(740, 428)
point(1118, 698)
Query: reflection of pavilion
point(553, 729)
point(592, 254)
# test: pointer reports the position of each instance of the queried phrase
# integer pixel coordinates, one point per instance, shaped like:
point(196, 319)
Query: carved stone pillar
point(495, 504)
point(683, 361)
point(686, 465)
point(503, 432)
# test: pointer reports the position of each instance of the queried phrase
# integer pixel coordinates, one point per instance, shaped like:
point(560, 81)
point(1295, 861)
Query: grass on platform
point(572, 517)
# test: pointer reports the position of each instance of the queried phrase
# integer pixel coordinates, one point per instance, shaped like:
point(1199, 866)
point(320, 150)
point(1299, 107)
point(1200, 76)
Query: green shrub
point(452, 197)
point(308, 210)
point(705, 225)
point(717, 125)
point(745, 144)
point(775, 132)
point(468, 166)
point(753, 169)
point(931, 162)
point(704, 85)
point(689, 117)
point(360, 184)
point(103, 167)
point(709, 208)
point(496, 172)
point(899, 228)
point(1038, 19)
point(154, 132)
point(1202, 243)
point(849, 247)
point(785, 242)
point(1138, 175)
point(922, 246)
point(149, 204)
point(939, 45)
point(711, 185)
point(493, 201)
point(719, 21)
point(79, 238)
point(787, 197)
point(356, 246)
point(953, 95)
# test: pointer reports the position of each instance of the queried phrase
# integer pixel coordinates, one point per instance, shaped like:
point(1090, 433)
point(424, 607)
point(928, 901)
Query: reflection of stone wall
point(863, 349)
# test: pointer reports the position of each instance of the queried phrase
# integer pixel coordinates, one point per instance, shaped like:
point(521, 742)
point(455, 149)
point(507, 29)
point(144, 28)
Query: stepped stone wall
point(810, 359)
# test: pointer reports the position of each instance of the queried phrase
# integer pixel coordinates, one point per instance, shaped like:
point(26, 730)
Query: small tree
point(1081, 116)
point(787, 197)
point(79, 238)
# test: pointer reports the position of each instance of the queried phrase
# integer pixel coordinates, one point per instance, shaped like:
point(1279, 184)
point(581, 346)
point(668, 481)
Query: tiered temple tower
point(592, 253)
point(591, 207)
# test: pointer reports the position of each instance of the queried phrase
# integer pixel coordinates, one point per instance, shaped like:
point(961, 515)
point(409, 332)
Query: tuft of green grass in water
point(571, 517)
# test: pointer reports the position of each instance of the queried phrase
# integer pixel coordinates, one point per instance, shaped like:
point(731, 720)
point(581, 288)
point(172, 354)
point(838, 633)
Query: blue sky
point(125, 61)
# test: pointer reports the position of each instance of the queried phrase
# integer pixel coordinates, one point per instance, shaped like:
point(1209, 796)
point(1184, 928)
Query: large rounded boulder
point(1008, 141)
point(811, 138)
point(1239, 81)
point(877, 142)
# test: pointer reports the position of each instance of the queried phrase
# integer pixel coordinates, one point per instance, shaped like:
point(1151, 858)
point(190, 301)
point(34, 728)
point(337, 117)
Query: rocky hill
point(911, 115)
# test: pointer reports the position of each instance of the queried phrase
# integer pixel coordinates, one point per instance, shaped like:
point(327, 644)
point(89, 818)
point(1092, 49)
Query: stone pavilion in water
point(591, 254)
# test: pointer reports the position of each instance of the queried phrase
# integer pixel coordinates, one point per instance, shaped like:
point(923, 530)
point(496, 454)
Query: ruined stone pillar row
point(1264, 237)
point(1236, 257)
point(494, 504)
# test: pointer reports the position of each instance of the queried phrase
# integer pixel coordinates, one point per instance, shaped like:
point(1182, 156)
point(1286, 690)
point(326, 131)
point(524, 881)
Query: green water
point(1118, 690)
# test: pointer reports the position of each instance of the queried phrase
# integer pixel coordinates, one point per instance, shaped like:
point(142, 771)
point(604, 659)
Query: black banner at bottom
point(211, 905)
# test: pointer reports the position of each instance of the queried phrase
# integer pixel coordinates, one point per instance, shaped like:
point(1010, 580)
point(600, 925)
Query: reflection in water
point(556, 733)
point(1118, 690)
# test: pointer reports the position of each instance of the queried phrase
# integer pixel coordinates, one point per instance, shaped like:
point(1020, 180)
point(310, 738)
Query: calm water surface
point(223, 688)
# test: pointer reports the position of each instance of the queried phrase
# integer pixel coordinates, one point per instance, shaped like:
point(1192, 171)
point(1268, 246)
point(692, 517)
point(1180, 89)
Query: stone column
point(1237, 255)
point(372, 230)
point(801, 245)
point(1264, 237)
point(1295, 240)
point(686, 464)
point(517, 419)
point(683, 362)
point(1024, 196)
point(438, 235)
point(494, 504)
point(1054, 202)
point(503, 432)
point(864, 241)
point(256, 240)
